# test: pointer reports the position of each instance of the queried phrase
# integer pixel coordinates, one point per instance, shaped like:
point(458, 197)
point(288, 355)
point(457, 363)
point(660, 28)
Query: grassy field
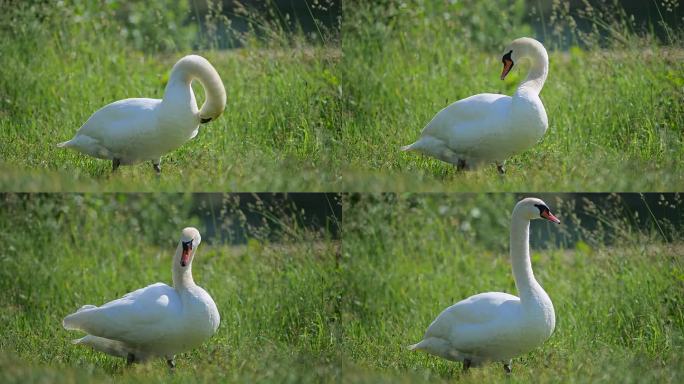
point(612, 109)
point(617, 291)
point(277, 133)
point(277, 300)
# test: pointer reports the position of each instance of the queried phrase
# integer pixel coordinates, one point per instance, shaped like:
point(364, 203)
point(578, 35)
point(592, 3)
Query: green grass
point(611, 110)
point(277, 133)
point(276, 299)
point(407, 257)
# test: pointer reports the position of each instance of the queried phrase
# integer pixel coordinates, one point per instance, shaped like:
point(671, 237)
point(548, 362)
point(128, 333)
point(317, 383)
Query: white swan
point(133, 130)
point(155, 321)
point(489, 127)
point(496, 326)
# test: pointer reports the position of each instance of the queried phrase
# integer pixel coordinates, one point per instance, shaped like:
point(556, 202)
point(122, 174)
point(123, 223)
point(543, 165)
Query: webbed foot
point(500, 168)
point(156, 166)
point(461, 165)
point(115, 164)
point(466, 365)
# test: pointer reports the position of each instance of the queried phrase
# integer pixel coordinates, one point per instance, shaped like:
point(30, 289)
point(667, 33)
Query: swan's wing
point(121, 120)
point(480, 308)
point(466, 121)
point(138, 317)
point(465, 324)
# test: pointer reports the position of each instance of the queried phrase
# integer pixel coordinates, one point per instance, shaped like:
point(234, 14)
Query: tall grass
point(614, 99)
point(276, 295)
point(63, 62)
point(407, 257)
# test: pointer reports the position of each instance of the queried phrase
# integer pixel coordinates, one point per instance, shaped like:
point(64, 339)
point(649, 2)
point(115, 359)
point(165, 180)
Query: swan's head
point(520, 49)
point(533, 208)
point(190, 240)
point(213, 108)
point(197, 67)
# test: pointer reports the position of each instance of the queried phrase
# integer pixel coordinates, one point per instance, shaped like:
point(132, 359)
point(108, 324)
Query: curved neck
point(520, 258)
point(183, 73)
point(536, 76)
point(182, 276)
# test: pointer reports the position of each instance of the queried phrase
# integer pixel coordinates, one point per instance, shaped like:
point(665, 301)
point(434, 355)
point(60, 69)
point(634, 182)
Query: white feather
point(135, 130)
point(489, 127)
point(497, 326)
point(155, 321)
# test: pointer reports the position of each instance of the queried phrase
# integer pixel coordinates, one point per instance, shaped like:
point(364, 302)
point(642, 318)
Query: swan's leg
point(466, 365)
point(461, 165)
point(507, 367)
point(155, 165)
point(115, 164)
point(500, 168)
point(130, 359)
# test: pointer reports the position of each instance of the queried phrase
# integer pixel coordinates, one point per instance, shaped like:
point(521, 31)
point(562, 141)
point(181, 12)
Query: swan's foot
point(461, 165)
point(157, 168)
point(507, 368)
point(115, 164)
point(500, 168)
point(466, 365)
point(171, 363)
point(130, 359)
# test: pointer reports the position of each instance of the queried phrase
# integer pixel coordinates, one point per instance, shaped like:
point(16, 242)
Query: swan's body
point(496, 326)
point(155, 321)
point(489, 127)
point(133, 130)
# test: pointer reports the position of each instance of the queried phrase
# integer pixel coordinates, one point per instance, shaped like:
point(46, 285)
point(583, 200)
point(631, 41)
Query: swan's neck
point(528, 288)
point(179, 91)
point(182, 276)
point(179, 96)
point(536, 76)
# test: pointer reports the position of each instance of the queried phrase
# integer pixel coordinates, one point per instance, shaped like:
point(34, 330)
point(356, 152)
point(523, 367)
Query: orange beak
point(550, 217)
point(508, 64)
point(185, 254)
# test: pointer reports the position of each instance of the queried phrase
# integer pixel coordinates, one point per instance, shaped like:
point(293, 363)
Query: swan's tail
point(420, 144)
point(108, 346)
point(417, 346)
point(408, 147)
point(64, 144)
point(73, 322)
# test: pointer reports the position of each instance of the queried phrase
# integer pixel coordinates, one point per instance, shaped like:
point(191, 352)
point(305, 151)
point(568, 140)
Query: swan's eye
point(542, 209)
